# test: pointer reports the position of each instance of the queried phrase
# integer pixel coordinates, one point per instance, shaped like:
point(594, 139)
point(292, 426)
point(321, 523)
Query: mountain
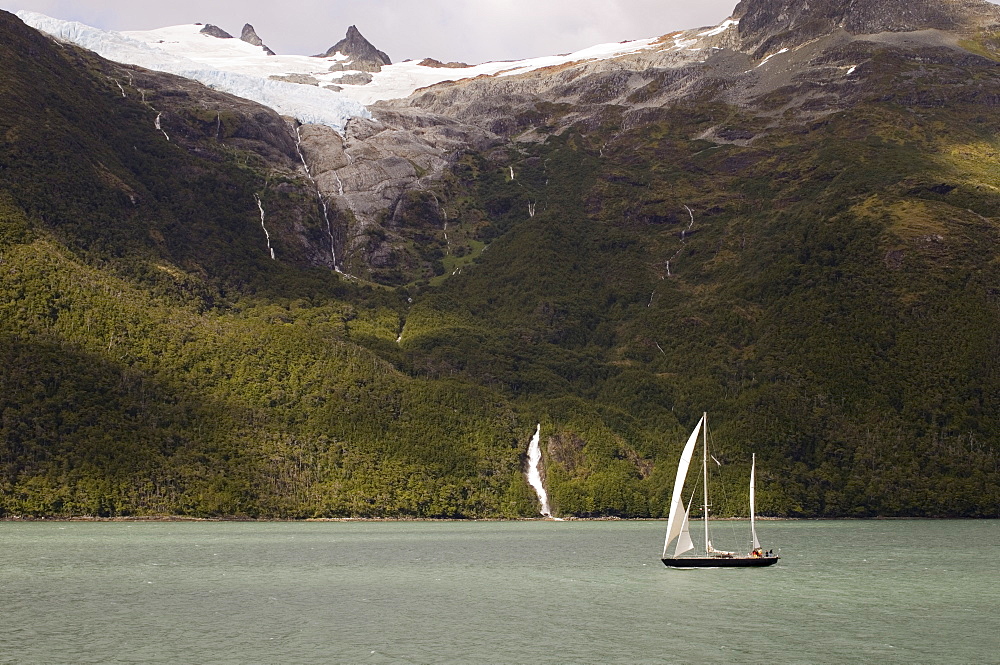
point(360, 53)
point(249, 35)
point(789, 219)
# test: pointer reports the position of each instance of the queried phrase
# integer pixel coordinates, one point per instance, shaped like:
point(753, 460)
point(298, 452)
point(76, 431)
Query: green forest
point(829, 294)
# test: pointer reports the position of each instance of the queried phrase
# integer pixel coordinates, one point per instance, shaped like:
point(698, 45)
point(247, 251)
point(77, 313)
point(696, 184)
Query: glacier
point(307, 104)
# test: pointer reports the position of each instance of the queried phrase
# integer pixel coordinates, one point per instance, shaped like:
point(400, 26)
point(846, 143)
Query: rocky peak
point(250, 37)
point(767, 25)
point(215, 31)
point(364, 56)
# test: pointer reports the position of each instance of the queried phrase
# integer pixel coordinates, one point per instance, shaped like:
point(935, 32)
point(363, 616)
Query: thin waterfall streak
point(534, 471)
point(329, 231)
point(156, 123)
point(684, 233)
point(322, 201)
point(444, 215)
point(267, 235)
point(298, 149)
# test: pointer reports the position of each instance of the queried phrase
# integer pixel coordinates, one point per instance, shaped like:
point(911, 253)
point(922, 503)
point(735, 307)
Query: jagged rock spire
point(250, 37)
point(215, 31)
point(363, 54)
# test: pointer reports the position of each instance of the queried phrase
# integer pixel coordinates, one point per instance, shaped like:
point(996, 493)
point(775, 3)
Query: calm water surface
point(493, 592)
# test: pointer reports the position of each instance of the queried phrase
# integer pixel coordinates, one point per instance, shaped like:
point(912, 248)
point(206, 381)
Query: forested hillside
point(826, 288)
point(157, 361)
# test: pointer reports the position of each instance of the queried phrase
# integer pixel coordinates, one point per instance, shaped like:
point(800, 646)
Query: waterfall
point(684, 233)
point(266, 234)
point(534, 471)
point(319, 195)
point(156, 123)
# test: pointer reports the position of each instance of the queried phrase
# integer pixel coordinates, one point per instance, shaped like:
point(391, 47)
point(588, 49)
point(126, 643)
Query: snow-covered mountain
point(318, 90)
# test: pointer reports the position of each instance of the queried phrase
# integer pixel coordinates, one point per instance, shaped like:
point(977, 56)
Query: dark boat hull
point(721, 562)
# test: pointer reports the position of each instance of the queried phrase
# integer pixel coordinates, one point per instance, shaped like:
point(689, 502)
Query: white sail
point(678, 516)
point(753, 508)
point(684, 542)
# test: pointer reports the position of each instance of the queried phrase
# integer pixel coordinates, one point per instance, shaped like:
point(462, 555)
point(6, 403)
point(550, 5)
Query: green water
point(493, 592)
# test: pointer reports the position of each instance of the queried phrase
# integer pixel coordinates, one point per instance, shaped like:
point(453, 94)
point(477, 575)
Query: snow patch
point(784, 50)
point(719, 29)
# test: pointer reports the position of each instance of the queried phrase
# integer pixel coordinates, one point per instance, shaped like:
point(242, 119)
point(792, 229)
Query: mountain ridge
point(767, 25)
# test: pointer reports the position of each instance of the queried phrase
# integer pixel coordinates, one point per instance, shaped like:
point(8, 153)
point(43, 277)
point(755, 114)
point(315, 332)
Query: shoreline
point(183, 518)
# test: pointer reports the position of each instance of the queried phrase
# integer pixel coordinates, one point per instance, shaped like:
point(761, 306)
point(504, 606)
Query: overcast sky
point(471, 31)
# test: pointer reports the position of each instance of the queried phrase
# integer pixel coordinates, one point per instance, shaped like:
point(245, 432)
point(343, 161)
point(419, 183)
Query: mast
point(704, 470)
point(753, 508)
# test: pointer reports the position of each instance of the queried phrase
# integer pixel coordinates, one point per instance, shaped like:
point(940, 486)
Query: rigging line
point(719, 482)
point(734, 533)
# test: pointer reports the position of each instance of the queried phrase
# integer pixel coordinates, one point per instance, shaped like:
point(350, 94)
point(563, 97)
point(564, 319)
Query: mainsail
point(678, 516)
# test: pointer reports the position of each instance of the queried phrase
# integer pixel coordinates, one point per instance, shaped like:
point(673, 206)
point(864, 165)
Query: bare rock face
point(366, 175)
point(356, 78)
point(215, 31)
point(552, 99)
point(767, 25)
point(301, 79)
point(431, 62)
point(249, 35)
point(363, 56)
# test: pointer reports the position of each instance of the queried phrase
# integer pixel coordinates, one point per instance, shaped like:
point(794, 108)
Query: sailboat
point(677, 523)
